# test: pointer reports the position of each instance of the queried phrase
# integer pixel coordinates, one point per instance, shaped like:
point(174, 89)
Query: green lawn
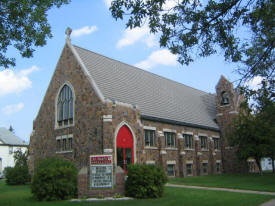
point(257, 182)
point(21, 196)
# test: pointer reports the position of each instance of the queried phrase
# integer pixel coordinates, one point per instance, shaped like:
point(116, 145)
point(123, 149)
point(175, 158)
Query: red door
point(125, 148)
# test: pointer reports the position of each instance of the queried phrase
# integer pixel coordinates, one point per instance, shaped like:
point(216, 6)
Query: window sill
point(153, 148)
point(217, 150)
point(169, 148)
point(63, 127)
point(189, 149)
point(64, 152)
point(225, 105)
point(205, 150)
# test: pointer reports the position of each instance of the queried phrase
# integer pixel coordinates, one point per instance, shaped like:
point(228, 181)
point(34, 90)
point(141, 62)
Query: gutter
point(157, 119)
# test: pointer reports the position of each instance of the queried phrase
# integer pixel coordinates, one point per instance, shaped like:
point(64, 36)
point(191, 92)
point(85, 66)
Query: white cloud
point(131, 36)
point(255, 83)
point(108, 2)
point(160, 57)
point(15, 82)
point(84, 31)
point(13, 108)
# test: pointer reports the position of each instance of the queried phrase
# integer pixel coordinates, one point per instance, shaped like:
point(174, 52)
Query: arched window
point(65, 106)
point(225, 98)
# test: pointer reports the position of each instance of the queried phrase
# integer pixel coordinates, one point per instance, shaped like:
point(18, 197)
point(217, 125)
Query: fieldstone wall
point(225, 116)
point(97, 123)
point(181, 155)
point(87, 129)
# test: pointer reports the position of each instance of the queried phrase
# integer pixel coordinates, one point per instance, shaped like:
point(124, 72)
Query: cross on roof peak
point(68, 33)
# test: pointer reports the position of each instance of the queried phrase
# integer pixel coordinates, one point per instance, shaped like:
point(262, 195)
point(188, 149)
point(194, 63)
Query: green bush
point(17, 175)
point(54, 179)
point(145, 181)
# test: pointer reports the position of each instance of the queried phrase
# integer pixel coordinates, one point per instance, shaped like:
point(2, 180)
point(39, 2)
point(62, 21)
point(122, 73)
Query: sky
point(23, 87)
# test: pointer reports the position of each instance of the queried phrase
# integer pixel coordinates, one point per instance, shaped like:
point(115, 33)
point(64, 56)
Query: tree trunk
point(273, 168)
point(258, 162)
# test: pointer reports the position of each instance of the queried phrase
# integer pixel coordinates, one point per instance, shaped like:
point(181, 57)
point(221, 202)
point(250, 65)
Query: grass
point(257, 182)
point(20, 195)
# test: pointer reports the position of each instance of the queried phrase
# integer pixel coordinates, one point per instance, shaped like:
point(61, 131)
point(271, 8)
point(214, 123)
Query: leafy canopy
point(24, 25)
point(242, 29)
point(253, 129)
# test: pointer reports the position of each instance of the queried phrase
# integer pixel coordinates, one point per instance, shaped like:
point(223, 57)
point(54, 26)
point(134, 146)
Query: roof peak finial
point(68, 34)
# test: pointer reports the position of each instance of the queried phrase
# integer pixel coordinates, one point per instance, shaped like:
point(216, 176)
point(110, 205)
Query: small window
point(149, 138)
point(10, 150)
point(64, 141)
point(218, 167)
point(203, 140)
point(216, 143)
point(170, 139)
point(58, 145)
point(188, 141)
point(225, 98)
point(204, 168)
point(70, 143)
point(171, 170)
point(189, 169)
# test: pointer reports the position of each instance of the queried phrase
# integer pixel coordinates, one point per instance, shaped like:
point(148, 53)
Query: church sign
point(101, 171)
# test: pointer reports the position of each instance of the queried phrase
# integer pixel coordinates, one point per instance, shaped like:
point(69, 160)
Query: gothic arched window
point(225, 98)
point(65, 106)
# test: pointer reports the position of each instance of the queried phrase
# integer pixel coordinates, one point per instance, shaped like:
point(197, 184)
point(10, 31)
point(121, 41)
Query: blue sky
point(22, 88)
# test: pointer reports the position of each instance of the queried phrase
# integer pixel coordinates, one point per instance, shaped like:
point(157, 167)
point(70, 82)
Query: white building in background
point(266, 164)
point(9, 143)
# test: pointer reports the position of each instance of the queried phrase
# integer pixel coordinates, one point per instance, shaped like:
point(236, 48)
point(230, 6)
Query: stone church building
point(95, 105)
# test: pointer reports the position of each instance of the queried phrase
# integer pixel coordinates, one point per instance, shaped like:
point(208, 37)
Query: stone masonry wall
point(96, 125)
point(225, 116)
point(87, 130)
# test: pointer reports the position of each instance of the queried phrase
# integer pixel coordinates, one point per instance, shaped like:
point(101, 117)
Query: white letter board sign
point(101, 171)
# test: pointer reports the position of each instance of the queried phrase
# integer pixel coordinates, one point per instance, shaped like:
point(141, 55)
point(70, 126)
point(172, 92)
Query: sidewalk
point(223, 189)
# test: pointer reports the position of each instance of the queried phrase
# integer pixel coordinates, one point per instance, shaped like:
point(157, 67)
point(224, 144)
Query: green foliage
point(117, 195)
point(54, 179)
point(145, 181)
point(254, 129)
point(242, 29)
point(24, 26)
point(19, 174)
point(20, 158)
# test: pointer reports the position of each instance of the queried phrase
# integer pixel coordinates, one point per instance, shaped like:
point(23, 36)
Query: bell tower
point(228, 102)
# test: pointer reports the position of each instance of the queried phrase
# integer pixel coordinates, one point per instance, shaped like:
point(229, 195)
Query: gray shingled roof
point(155, 96)
point(9, 138)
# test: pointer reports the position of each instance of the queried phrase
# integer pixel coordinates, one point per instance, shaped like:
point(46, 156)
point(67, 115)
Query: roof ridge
point(139, 69)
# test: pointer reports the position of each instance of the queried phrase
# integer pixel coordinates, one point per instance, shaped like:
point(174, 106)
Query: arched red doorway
point(124, 147)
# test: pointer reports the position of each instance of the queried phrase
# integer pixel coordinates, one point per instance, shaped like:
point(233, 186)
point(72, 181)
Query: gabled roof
point(8, 138)
point(157, 97)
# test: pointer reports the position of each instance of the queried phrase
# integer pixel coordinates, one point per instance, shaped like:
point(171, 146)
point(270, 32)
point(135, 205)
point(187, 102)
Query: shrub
point(54, 179)
point(145, 181)
point(18, 175)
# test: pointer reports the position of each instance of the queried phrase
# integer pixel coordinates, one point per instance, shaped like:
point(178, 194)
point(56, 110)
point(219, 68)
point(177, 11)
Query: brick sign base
point(85, 191)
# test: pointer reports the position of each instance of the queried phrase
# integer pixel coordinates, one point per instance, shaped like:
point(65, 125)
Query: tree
point(264, 108)
point(242, 29)
point(253, 131)
point(11, 129)
point(24, 26)
point(20, 158)
point(19, 174)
